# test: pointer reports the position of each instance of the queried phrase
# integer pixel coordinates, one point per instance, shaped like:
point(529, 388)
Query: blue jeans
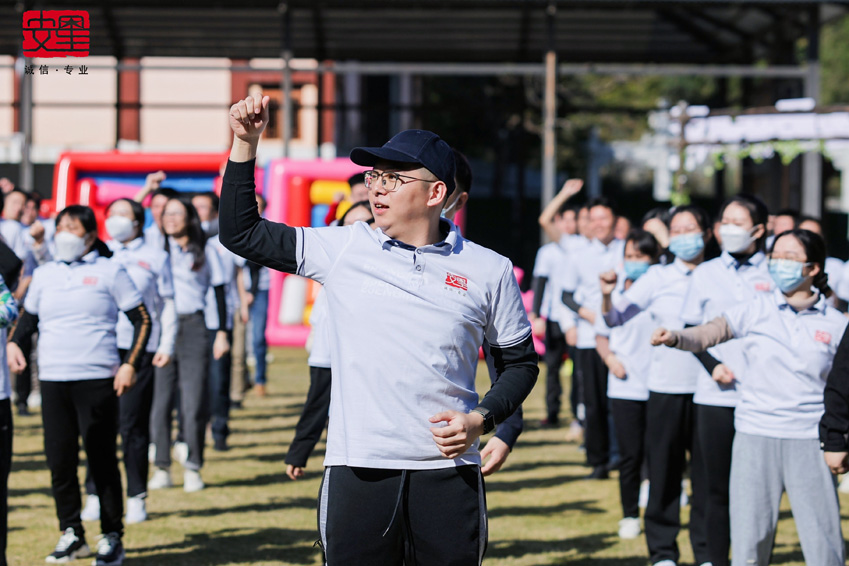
point(259, 320)
point(219, 388)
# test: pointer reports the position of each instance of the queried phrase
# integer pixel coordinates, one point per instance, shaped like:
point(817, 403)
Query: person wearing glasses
point(791, 337)
point(412, 302)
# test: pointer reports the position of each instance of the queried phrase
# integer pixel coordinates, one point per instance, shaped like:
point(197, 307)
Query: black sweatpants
point(370, 516)
point(6, 430)
point(669, 435)
point(630, 420)
point(555, 349)
point(596, 432)
point(87, 408)
point(313, 418)
point(134, 425)
point(715, 428)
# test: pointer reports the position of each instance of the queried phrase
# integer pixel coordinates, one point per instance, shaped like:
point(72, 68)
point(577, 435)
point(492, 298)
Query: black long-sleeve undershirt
point(834, 425)
point(708, 361)
point(538, 287)
point(221, 306)
point(253, 269)
point(568, 298)
point(273, 245)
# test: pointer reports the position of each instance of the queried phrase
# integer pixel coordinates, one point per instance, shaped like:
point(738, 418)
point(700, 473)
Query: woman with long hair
point(790, 337)
point(195, 268)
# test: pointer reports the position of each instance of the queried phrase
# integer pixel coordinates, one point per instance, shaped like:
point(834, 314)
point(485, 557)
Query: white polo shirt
point(547, 261)
point(78, 306)
point(190, 287)
point(834, 270)
point(790, 355)
point(629, 343)
point(228, 261)
point(590, 261)
point(660, 291)
point(716, 286)
point(12, 232)
point(320, 322)
point(407, 327)
point(150, 270)
point(153, 237)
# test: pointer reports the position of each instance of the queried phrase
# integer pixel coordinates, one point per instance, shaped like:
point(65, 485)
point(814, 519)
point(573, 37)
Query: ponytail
point(101, 248)
point(821, 283)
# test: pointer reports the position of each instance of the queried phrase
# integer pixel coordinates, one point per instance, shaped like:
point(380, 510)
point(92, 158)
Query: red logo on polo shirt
point(89, 280)
point(456, 281)
point(822, 336)
point(764, 287)
point(144, 265)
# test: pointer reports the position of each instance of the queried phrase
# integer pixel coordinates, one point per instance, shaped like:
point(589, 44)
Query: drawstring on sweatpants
point(397, 501)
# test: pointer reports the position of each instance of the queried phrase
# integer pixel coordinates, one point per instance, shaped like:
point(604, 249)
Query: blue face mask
point(687, 246)
point(634, 269)
point(787, 274)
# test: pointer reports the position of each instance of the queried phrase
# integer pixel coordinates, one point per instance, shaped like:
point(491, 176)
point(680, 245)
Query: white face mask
point(120, 228)
point(734, 238)
point(69, 247)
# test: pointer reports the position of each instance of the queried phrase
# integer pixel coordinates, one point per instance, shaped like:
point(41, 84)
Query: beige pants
point(240, 379)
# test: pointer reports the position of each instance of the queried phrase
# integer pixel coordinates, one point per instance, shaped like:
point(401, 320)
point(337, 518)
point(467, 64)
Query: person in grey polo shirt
point(413, 301)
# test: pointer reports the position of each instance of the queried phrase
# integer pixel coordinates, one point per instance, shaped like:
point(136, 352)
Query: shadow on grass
point(584, 545)
point(791, 554)
point(533, 466)
point(254, 481)
point(272, 506)
point(232, 546)
point(281, 456)
point(28, 465)
point(538, 510)
point(530, 483)
point(543, 442)
point(46, 491)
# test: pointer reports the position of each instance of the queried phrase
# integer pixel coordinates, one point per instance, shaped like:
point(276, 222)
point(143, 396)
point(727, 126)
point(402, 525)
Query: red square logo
point(89, 280)
point(56, 33)
point(763, 287)
point(144, 265)
point(456, 281)
point(822, 336)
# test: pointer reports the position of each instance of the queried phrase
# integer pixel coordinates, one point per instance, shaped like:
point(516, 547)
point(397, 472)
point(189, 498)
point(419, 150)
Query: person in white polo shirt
point(74, 304)
point(412, 303)
point(790, 337)
point(623, 350)
point(733, 278)
point(195, 267)
point(8, 315)
point(150, 270)
point(670, 424)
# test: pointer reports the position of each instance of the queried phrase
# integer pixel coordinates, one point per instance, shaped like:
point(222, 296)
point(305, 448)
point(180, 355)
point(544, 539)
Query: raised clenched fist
point(249, 117)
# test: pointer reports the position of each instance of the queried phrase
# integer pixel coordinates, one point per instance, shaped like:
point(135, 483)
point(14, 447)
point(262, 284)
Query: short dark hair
point(462, 172)
point(757, 210)
point(791, 212)
point(166, 192)
point(605, 202)
point(702, 217)
point(645, 243)
point(86, 217)
point(357, 179)
point(213, 198)
point(359, 204)
point(659, 212)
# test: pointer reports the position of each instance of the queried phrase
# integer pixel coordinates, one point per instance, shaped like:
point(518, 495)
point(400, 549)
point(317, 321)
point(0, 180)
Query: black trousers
point(715, 428)
point(134, 426)
point(576, 395)
point(313, 418)
point(670, 433)
point(23, 380)
point(555, 349)
point(372, 516)
point(87, 408)
point(6, 430)
point(596, 431)
point(630, 419)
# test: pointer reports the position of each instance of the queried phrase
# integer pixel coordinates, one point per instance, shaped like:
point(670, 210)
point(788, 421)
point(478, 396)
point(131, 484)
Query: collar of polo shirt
point(730, 261)
point(445, 246)
point(781, 301)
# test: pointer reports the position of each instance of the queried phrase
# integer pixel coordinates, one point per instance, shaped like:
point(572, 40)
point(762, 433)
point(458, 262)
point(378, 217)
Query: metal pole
point(27, 176)
point(287, 77)
point(549, 115)
point(812, 160)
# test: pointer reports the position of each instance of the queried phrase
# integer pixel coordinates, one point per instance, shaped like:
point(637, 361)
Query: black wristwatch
point(488, 419)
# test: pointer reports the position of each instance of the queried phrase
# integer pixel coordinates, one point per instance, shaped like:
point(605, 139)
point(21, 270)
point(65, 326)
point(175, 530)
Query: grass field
point(541, 510)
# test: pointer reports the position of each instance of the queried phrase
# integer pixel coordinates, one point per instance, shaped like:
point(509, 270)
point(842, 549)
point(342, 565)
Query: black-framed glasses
point(389, 181)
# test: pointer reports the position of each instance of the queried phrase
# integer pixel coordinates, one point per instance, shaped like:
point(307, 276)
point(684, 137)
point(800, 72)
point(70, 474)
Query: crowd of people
point(707, 348)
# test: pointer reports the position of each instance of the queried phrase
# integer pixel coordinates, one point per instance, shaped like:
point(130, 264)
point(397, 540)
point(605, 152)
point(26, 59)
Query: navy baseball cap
point(413, 146)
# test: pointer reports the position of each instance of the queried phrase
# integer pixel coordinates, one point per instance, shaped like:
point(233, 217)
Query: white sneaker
point(136, 510)
point(161, 479)
point(34, 400)
point(181, 452)
point(192, 481)
point(665, 563)
point(644, 494)
point(629, 528)
point(151, 452)
point(91, 511)
point(844, 484)
point(706, 564)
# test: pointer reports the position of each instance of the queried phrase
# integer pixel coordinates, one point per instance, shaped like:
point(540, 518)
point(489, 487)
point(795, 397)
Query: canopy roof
point(658, 31)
